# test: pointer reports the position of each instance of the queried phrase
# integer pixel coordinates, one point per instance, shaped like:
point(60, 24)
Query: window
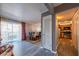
point(10, 31)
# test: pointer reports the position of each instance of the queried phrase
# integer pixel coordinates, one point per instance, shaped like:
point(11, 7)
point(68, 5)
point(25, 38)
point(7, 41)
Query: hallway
point(67, 37)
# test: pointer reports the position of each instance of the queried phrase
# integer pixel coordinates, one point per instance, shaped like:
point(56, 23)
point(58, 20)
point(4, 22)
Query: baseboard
point(54, 52)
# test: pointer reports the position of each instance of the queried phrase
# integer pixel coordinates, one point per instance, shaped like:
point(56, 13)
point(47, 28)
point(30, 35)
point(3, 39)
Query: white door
point(47, 32)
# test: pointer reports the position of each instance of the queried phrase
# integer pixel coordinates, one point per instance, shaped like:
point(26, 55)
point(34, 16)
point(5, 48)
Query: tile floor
point(23, 48)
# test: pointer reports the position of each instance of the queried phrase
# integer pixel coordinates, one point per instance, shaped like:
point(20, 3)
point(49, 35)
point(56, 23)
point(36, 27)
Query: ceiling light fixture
point(59, 17)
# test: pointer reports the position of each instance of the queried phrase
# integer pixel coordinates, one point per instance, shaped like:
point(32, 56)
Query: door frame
point(53, 36)
point(43, 15)
point(54, 10)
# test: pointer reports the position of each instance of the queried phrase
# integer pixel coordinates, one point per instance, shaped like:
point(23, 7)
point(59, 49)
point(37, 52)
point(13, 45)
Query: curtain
point(0, 30)
point(10, 30)
point(23, 31)
point(0, 26)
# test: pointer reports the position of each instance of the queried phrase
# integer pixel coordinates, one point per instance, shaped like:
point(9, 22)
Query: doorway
point(65, 33)
point(34, 33)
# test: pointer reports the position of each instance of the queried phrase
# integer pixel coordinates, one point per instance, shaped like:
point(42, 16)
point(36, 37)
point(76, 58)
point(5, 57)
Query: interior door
point(47, 32)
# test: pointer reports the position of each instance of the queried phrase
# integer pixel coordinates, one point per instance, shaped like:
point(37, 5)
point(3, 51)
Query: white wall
point(75, 30)
point(28, 28)
point(47, 32)
point(35, 27)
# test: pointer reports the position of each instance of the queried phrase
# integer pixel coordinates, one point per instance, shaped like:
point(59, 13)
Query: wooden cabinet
point(65, 31)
